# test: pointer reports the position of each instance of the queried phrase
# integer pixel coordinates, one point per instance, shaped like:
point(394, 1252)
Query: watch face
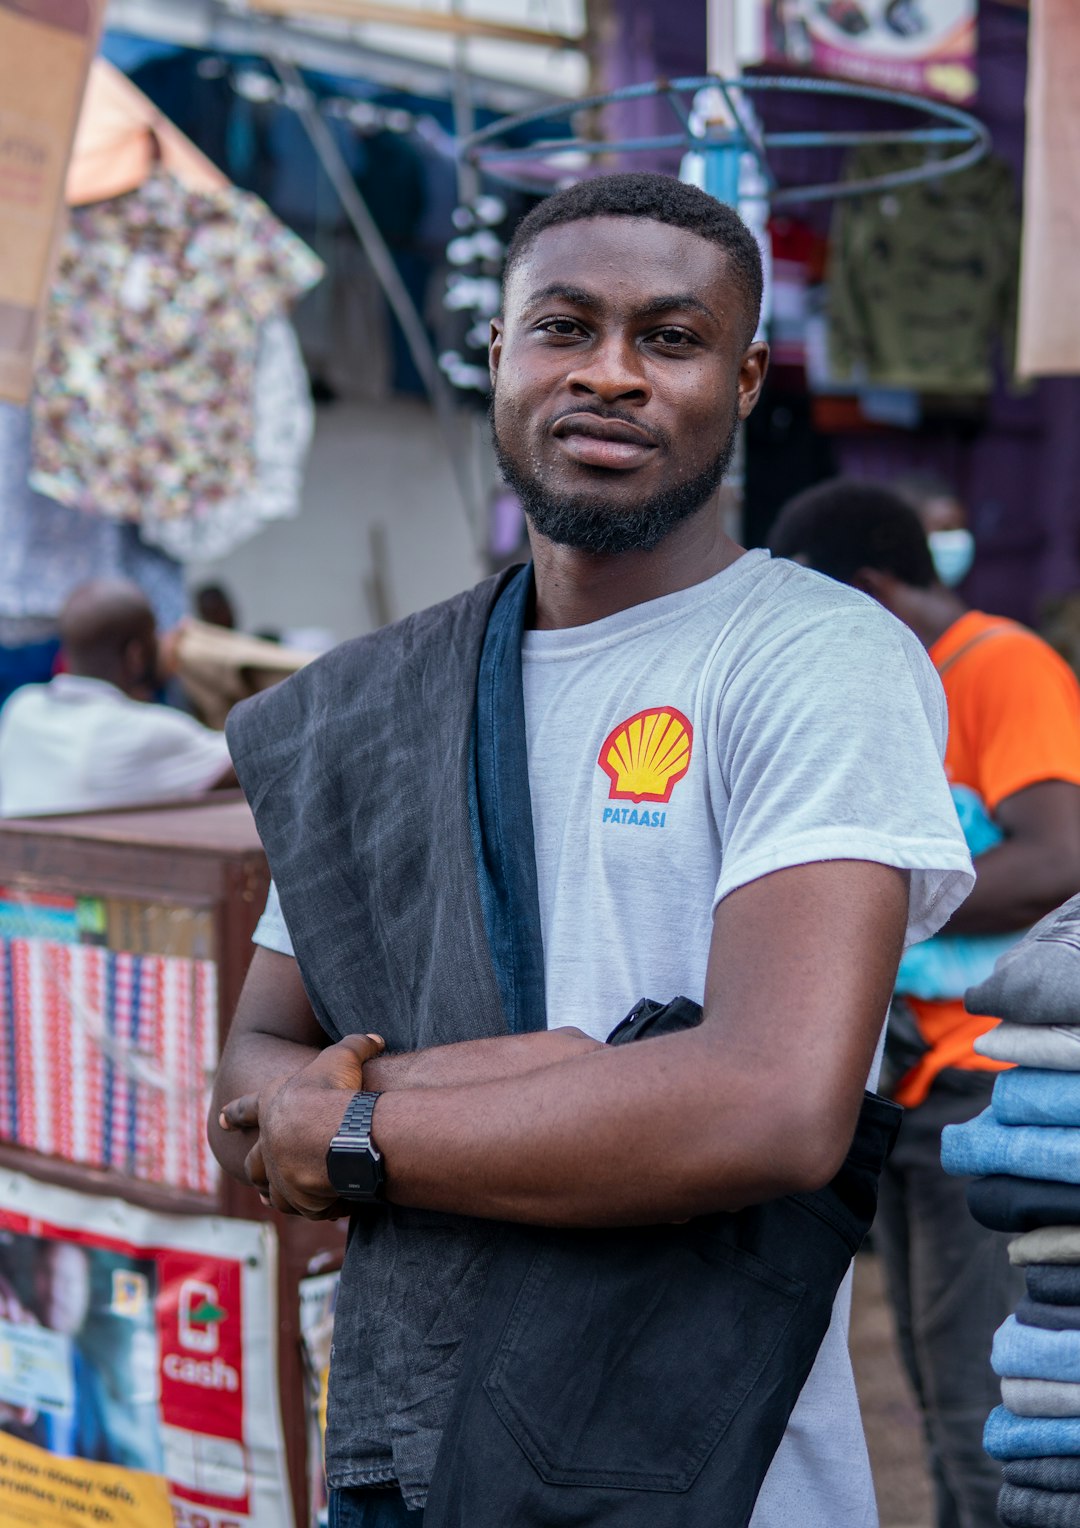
point(355, 1174)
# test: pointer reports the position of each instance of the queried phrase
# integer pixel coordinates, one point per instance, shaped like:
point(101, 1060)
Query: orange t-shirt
point(1014, 720)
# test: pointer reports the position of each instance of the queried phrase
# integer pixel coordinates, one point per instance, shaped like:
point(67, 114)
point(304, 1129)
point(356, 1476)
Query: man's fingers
point(280, 1203)
point(241, 1113)
point(341, 1065)
point(255, 1169)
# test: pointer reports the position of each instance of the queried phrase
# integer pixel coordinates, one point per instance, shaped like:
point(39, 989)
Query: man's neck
point(574, 588)
point(931, 612)
point(102, 675)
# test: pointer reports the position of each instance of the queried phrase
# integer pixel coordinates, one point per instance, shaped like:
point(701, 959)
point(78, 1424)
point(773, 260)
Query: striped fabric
point(106, 1058)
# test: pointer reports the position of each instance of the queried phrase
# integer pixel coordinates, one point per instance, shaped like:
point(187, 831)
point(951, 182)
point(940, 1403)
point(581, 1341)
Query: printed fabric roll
point(1053, 1283)
point(1023, 1204)
point(1049, 1244)
point(1052, 1318)
point(1008, 1436)
point(1029, 1095)
point(1051, 1474)
point(983, 1145)
point(1023, 1507)
point(1056, 1047)
point(1041, 1397)
point(1038, 980)
point(1033, 1352)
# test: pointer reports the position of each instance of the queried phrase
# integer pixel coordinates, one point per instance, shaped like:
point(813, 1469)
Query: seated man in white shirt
point(91, 737)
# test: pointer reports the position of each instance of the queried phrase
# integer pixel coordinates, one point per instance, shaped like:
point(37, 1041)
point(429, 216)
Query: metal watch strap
point(354, 1132)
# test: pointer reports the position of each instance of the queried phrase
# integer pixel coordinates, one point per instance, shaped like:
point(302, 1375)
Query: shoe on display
point(845, 14)
point(905, 18)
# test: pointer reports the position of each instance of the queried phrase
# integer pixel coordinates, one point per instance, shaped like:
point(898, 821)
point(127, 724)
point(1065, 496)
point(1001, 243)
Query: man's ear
point(136, 658)
point(495, 344)
point(752, 370)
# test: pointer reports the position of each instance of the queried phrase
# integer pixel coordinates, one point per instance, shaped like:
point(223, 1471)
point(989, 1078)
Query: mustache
point(610, 415)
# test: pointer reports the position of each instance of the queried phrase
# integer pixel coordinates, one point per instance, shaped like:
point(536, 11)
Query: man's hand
point(504, 1056)
point(298, 1116)
point(273, 1033)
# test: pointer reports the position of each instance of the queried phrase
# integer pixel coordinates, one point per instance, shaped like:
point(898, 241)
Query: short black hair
point(645, 194)
point(844, 524)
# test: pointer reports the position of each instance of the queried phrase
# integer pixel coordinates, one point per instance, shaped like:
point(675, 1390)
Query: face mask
point(953, 552)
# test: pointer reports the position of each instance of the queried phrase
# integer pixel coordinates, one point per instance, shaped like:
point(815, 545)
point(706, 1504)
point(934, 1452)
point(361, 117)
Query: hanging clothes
point(284, 425)
point(120, 136)
point(48, 549)
point(344, 324)
point(144, 404)
point(923, 279)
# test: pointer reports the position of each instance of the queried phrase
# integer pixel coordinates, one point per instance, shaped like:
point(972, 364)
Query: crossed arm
point(552, 1128)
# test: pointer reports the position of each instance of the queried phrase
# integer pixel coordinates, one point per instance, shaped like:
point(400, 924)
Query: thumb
point(341, 1065)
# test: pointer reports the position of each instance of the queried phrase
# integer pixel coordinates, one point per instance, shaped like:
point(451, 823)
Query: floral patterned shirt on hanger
point(144, 391)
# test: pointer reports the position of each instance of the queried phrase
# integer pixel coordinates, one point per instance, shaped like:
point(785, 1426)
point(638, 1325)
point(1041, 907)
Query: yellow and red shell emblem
point(645, 756)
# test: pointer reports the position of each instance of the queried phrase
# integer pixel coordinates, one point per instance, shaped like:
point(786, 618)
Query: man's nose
point(612, 371)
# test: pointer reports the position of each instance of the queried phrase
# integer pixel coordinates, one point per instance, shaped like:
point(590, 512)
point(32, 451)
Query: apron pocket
point(608, 1372)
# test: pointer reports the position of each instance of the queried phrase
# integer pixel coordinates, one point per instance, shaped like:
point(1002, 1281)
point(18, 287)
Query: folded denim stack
point(1023, 1153)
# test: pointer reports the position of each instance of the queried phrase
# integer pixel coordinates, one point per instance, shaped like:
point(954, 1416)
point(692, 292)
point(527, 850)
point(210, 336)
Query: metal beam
point(449, 23)
point(329, 49)
point(382, 263)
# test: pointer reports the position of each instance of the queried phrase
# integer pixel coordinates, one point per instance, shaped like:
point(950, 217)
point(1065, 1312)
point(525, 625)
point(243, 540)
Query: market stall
point(150, 1309)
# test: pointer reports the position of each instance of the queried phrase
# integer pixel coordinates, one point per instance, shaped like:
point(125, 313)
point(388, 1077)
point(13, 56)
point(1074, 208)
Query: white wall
point(375, 468)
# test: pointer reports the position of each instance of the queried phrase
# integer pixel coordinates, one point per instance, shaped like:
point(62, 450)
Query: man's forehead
point(592, 253)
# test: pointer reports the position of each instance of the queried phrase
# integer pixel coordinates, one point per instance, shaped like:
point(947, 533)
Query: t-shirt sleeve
point(1023, 721)
point(830, 742)
point(272, 931)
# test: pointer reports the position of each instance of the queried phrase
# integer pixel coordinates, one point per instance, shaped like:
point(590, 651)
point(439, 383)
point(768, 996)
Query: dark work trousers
point(951, 1286)
point(371, 1509)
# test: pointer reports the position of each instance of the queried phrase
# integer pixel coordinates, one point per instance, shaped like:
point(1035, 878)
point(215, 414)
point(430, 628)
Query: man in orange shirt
point(1014, 741)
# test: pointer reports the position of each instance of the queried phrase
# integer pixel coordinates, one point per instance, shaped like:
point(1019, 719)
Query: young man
point(735, 793)
point(1014, 740)
point(89, 739)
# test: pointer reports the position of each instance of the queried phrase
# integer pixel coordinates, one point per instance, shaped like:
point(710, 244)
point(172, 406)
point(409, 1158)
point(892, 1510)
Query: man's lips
point(597, 442)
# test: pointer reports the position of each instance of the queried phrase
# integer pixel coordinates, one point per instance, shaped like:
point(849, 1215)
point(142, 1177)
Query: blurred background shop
point(248, 374)
point(893, 318)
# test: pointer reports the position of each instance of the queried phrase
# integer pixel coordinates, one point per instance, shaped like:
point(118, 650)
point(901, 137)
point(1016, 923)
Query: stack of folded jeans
point(1024, 1152)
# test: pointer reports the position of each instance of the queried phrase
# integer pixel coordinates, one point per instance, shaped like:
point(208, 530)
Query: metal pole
point(382, 262)
point(468, 176)
point(722, 164)
point(720, 54)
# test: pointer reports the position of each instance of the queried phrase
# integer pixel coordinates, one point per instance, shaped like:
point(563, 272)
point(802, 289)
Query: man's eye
point(674, 337)
point(562, 327)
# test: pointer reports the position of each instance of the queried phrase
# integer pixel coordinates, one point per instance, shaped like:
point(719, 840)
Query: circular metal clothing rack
point(953, 138)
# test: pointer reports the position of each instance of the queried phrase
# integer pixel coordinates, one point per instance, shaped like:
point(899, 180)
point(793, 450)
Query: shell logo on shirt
point(647, 755)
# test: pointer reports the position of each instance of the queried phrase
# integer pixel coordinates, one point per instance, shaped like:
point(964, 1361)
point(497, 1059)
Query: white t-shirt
point(75, 745)
point(765, 718)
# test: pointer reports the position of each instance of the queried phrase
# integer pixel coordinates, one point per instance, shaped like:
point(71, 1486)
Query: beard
point(589, 522)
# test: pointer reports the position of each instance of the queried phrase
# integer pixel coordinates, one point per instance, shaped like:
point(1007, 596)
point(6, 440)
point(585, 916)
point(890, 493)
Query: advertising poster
point(45, 52)
point(926, 47)
point(108, 1034)
point(138, 1367)
point(318, 1298)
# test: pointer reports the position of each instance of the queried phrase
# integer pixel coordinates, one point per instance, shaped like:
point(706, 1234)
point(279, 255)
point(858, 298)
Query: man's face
point(942, 513)
point(62, 1287)
point(620, 372)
